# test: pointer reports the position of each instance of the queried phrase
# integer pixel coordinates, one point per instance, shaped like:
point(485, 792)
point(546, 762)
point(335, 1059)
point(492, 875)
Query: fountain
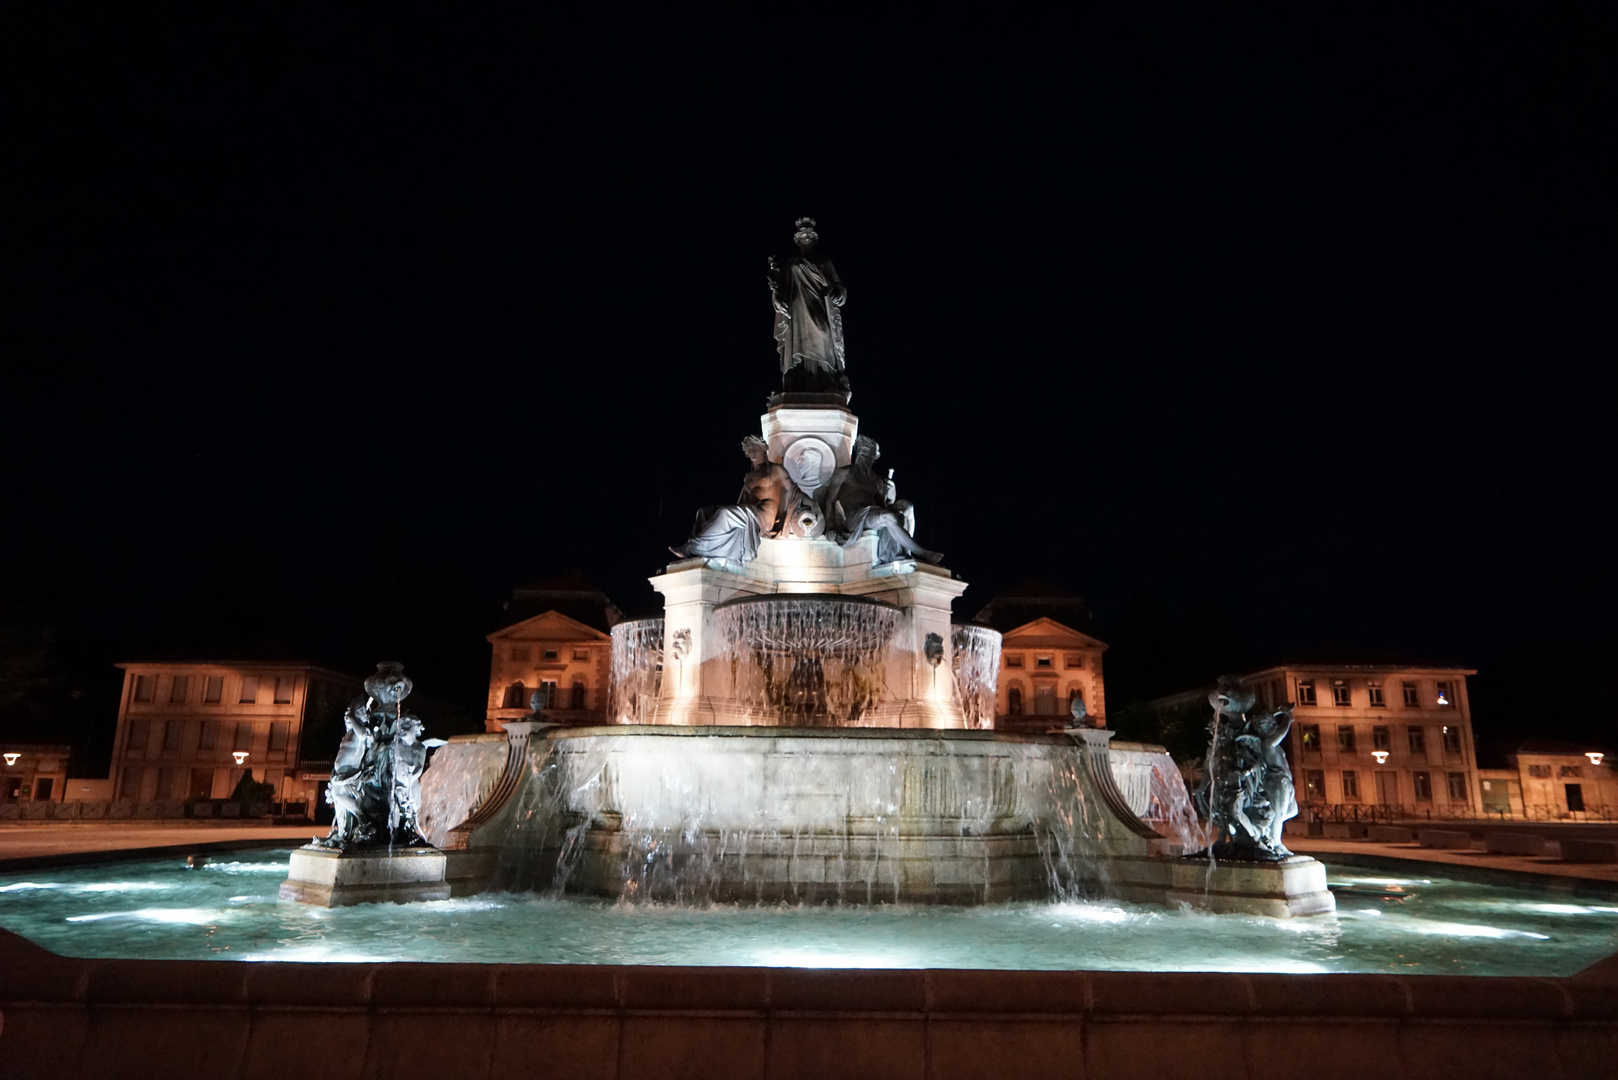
point(806, 723)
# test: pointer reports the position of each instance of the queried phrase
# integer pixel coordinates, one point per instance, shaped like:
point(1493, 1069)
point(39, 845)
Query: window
point(145, 687)
point(1381, 738)
point(1351, 786)
point(168, 783)
point(1452, 739)
point(521, 652)
point(1373, 695)
point(1314, 784)
point(1418, 739)
point(129, 784)
point(581, 654)
point(578, 694)
point(249, 694)
point(1424, 786)
point(1013, 660)
point(516, 696)
point(1345, 738)
point(210, 735)
point(553, 695)
point(179, 689)
point(1045, 661)
point(213, 689)
point(201, 784)
point(283, 689)
point(1045, 701)
point(1412, 696)
point(1341, 696)
point(171, 734)
point(550, 654)
point(1014, 701)
point(1570, 770)
point(137, 735)
point(244, 735)
point(1540, 772)
point(279, 732)
point(1073, 661)
point(1306, 691)
point(1311, 738)
point(1446, 695)
point(1457, 787)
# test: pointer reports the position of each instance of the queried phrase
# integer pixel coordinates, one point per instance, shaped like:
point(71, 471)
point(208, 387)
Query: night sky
point(1288, 328)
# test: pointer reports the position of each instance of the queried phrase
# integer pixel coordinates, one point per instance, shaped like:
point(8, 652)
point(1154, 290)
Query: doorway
point(1387, 788)
point(1575, 797)
point(44, 785)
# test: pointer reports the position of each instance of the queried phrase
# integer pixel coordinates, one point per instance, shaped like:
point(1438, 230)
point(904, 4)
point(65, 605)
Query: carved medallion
point(810, 463)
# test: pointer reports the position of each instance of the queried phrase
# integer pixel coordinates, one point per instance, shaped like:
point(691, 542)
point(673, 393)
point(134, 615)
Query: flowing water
point(228, 910)
point(975, 661)
point(806, 661)
point(637, 670)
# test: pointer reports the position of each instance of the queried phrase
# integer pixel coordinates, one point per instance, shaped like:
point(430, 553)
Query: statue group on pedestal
point(1246, 791)
point(808, 297)
point(375, 787)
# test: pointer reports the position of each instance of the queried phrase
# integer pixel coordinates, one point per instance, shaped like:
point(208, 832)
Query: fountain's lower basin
point(764, 815)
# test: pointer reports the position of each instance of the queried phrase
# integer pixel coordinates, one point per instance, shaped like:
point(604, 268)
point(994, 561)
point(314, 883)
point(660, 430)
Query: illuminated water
point(228, 910)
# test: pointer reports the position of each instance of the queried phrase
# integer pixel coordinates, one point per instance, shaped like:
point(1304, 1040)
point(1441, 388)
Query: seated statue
point(409, 762)
point(733, 532)
point(1246, 790)
point(856, 500)
point(353, 793)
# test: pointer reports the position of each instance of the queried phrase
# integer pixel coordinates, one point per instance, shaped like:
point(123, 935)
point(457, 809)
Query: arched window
point(1073, 694)
point(1014, 701)
point(516, 696)
point(578, 694)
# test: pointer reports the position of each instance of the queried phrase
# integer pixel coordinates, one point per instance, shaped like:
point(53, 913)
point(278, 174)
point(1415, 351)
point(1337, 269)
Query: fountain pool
point(228, 910)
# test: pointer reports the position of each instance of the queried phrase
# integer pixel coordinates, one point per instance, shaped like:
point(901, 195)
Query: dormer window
point(1045, 662)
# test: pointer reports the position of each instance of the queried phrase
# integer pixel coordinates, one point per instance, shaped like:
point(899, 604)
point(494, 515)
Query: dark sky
point(366, 317)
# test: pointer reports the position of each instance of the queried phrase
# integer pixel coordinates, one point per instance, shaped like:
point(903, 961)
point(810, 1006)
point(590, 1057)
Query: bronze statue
point(376, 778)
point(733, 532)
point(808, 297)
point(1246, 790)
point(856, 499)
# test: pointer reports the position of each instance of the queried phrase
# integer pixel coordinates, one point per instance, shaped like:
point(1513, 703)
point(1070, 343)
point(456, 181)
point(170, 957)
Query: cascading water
point(637, 670)
point(975, 660)
point(806, 661)
point(461, 776)
point(1155, 789)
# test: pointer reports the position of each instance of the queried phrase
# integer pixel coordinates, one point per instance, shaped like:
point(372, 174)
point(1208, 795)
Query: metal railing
point(1386, 813)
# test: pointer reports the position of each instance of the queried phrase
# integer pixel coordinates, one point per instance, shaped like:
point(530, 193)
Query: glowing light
point(1442, 699)
point(239, 755)
point(11, 759)
point(1595, 756)
point(1381, 756)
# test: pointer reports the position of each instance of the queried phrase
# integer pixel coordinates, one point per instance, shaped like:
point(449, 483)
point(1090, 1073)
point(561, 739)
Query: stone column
point(692, 668)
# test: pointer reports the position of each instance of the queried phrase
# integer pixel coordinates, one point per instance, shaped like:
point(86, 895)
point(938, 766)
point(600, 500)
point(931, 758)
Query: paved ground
point(1514, 864)
point(48, 838)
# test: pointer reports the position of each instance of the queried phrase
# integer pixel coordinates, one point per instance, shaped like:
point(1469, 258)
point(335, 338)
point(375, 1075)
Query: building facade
point(33, 773)
point(1044, 667)
point(1377, 736)
point(188, 731)
point(557, 638)
point(1552, 780)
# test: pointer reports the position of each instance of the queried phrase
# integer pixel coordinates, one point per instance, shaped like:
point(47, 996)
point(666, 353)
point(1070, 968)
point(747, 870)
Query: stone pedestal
point(1295, 886)
point(338, 878)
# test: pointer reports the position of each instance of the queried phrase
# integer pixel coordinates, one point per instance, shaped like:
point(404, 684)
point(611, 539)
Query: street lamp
point(1381, 756)
point(1595, 757)
point(239, 755)
point(11, 759)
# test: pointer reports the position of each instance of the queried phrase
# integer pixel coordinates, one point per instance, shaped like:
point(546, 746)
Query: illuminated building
point(558, 639)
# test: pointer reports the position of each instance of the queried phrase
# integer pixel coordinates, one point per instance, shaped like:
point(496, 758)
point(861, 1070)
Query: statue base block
point(328, 878)
point(1290, 887)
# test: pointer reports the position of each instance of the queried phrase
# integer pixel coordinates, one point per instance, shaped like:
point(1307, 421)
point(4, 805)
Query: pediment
point(1047, 633)
point(551, 626)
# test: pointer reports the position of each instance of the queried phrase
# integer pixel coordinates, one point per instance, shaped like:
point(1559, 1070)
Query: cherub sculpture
point(1246, 790)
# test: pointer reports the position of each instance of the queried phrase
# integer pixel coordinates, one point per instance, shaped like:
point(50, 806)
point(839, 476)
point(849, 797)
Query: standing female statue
point(808, 298)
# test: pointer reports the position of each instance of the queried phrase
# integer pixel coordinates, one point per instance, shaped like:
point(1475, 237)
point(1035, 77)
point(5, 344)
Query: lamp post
point(1595, 757)
point(11, 759)
point(239, 755)
point(1381, 756)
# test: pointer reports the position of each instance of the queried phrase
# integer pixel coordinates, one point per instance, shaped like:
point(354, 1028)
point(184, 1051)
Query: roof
point(1354, 659)
point(1047, 632)
point(254, 653)
point(570, 595)
point(552, 624)
point(1553, 747)
point(1029, 600)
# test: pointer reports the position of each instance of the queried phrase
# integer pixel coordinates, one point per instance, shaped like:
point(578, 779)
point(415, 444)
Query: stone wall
point(67, 1018)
